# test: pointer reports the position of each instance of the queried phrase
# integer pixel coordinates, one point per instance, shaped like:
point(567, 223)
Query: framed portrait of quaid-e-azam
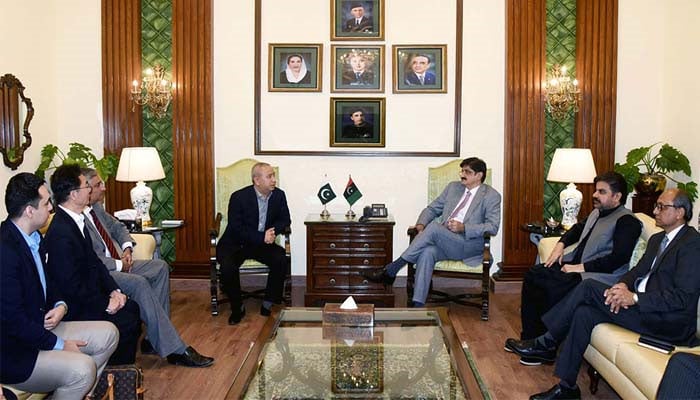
point(357, 20)
point(357, 122)
point(420, 68)
point(295, 67)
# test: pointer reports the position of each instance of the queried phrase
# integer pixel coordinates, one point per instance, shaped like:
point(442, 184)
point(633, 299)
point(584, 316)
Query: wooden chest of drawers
point(337, 251)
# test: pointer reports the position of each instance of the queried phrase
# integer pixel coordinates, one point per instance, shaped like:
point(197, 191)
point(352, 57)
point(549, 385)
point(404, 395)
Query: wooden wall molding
point(121, 64)
point(523, 175)
point(193, 136)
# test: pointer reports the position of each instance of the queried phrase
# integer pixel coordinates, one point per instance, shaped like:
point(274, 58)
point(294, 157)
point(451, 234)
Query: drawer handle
point(332, 261)
point(332, 281)
point(365, 282)
point(365, 262)
point(332, 246)
point(366, 245)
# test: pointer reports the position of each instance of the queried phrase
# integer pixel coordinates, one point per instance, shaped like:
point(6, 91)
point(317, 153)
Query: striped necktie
point(105, 236)
point(459, 207)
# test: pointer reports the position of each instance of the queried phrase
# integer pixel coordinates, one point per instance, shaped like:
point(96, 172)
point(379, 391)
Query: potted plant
point(657, 166)
point(77, 154)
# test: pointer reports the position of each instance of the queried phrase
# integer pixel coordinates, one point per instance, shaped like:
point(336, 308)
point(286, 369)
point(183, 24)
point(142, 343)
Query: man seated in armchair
point(452, 227)
point(256, 215)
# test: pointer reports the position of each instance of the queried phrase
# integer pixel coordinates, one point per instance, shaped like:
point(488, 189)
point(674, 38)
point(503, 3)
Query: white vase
point(570, 201)
point(141, 198)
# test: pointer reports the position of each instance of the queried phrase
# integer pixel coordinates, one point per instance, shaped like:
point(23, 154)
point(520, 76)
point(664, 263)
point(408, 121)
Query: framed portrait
point(357, 122)
point(357, 69)
point(295, 67)
point(357, 19)
point(420, 68)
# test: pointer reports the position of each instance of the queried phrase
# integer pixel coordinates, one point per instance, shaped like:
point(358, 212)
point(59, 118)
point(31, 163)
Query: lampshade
point(571, 165)
point(139, 164)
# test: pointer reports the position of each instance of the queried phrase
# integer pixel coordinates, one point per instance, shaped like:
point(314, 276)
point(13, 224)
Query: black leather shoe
point(531, 350)
point(558, 392)
point(147, 347)
point(265, 312)
point(236, 317)
point(379, 276)
point(190, 358)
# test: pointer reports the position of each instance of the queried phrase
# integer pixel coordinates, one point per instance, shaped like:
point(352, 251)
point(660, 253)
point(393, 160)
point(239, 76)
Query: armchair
point(228, 180)
point(476, 269)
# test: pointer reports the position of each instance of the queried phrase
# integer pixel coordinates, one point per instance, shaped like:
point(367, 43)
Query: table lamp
point(139, 164)
point(573, 166)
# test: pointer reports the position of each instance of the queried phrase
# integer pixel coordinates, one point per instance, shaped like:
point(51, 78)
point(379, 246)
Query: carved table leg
point(595, 378)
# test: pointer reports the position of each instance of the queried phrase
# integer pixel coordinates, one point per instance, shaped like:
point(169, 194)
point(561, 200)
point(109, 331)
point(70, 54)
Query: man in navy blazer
point(256, 214)
point(81, 276)
point(452, 227)
point(659, 297)
point(417, 72)
point(39, 352)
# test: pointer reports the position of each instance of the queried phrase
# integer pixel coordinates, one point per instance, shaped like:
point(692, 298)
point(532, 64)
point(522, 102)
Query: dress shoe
point(558, 392)
point(190, 358)
point(532, 351)
point(379, 276)
point(265, 312)
point(147, 347)
point(236, 317)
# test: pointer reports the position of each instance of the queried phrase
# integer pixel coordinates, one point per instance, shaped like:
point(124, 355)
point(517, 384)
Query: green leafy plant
point(662, 162)
point(77, 154)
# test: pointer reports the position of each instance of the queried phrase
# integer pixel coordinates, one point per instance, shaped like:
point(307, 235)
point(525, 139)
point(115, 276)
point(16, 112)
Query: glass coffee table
point(408, 353)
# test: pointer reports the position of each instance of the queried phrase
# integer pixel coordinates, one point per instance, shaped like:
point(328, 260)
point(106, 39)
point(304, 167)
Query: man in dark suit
point(681, 379)
point(147, 282)
point(80, 275)
point(452, 227)
point(256, 214)
point(417, 72)
point(39, 352)
point(359, 22)
point(659, 297)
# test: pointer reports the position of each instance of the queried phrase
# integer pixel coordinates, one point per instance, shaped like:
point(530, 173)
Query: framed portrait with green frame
point(357, 69)
point(295, 67)
point(357, 122)
point(357, 19)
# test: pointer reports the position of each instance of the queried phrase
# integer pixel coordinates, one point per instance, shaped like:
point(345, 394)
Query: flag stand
point(325, 214)
point(350, 214)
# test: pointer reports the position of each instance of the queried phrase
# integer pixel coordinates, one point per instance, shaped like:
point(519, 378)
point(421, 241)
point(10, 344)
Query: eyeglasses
point(83, 187)
point(661, 206)
point(467, 171)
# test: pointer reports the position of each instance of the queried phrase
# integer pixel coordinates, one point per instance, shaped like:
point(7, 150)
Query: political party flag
point(326, 193)
point(352, 193)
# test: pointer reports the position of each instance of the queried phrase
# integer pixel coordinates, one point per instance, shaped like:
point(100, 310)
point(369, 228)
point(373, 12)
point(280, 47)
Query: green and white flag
point(352, 193)
point(326, 194)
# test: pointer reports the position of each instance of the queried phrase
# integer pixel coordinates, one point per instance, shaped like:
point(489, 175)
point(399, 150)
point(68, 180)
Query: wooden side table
point(338, 250)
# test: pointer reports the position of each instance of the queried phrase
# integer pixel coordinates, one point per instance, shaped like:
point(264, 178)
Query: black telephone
point(374, 211)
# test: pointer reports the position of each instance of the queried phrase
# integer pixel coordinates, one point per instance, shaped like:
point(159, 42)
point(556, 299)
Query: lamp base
point(141, 198)
point(570, 201)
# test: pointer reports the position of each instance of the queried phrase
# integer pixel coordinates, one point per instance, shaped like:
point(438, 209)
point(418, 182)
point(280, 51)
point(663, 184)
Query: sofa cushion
point(606, 338)
point(643, 366)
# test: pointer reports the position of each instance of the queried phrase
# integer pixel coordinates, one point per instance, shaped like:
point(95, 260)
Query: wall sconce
point(155, 92)
point(561, 93)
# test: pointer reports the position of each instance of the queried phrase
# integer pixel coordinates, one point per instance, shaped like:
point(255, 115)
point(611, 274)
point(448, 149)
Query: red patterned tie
point(105, 236)
point(459, 207)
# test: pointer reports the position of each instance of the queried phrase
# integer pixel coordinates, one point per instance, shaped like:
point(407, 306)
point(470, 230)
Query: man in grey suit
point(452, 227)
point(147, 282)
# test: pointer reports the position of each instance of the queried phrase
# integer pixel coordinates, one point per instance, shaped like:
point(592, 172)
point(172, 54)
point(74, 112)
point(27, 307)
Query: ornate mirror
point(16, 113)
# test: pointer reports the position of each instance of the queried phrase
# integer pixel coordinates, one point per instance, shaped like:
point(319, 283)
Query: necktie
point(357, 76)
point(641, 283)
point(459, 207)
point(105, 236)
point(357, 22)
point(421, 79)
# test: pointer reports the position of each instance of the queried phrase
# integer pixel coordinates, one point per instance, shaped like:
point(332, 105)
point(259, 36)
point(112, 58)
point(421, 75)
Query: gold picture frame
point(419, 68)
point(295, 67)
point(357, 19)
point(357, 122)
point(357, 69)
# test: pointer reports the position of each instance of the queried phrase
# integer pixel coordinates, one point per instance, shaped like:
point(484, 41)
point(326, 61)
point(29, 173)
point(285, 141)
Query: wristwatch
point(635, 298)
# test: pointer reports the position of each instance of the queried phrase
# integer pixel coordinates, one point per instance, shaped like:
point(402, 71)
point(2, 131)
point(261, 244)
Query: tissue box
point(362, 316)
point(340, 332)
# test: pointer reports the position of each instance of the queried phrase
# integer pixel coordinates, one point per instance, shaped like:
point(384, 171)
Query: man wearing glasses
point(659, 298)
point(80, 275)
point(452, 227)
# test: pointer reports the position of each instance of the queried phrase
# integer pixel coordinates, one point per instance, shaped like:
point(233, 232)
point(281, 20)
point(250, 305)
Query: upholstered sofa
point(634, 372)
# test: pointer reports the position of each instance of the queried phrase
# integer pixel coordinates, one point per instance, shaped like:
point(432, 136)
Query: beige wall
point(59, 62)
